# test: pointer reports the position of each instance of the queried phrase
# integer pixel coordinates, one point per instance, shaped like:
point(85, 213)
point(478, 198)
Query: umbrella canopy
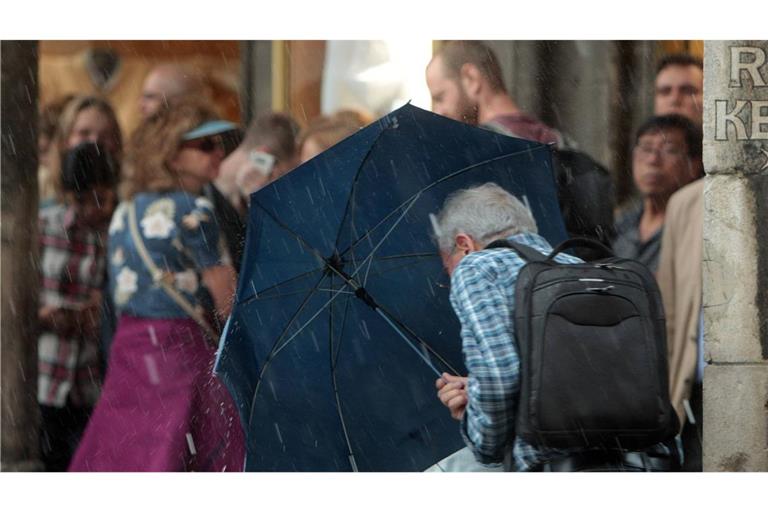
point(342, 317)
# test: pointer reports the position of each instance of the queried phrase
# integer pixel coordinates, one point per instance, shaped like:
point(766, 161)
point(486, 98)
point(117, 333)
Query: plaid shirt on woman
point(72, 264)
point(483, 296)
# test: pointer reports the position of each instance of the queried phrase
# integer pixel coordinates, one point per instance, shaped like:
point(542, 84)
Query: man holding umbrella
point(483, 296)
point(335, 254)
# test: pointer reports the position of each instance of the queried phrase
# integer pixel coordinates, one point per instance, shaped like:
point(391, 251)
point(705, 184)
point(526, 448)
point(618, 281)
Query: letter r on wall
point(756, 60)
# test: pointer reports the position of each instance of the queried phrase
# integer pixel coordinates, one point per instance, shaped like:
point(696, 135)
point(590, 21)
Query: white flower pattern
point(157, 225)
point(203, 203)
point(193, 220)
point(127, 285)
point(190, 221)
point(164, 205)
point(168, 222)
point(118, 219)
point(118, 257)
point(186, 281)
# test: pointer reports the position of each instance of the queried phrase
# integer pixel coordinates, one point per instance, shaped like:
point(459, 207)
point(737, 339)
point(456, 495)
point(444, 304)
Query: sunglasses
point(207, 145)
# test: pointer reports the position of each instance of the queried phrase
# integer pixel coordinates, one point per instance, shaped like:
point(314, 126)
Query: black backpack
point(593, 355)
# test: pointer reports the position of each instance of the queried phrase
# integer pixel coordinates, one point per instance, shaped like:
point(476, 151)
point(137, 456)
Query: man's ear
point(466, 243)
point(471, 79)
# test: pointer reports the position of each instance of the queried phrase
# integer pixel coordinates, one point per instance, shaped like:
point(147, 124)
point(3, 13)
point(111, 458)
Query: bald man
point(164, 83)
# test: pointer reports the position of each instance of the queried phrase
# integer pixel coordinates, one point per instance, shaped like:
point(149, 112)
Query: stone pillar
point(256, 85)
point(735, 266)
point(18, 354)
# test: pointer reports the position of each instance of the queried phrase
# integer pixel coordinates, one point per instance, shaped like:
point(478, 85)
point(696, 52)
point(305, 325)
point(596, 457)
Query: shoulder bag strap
point(165, 279)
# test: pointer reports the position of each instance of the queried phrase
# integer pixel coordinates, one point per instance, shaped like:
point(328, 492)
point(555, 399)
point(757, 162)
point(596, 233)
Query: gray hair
point(486, 212)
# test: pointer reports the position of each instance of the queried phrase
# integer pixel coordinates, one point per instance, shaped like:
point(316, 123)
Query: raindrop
point(425, 351)
point(191, 444)
point(527, 203)
point(272, 388)
point(314, 340)
point(431, 289)
point(153, 335)
point(364, 329)
point(154, 375)
point(279, 436)
point(96, 198)
point(253, 287)
point(322, 186)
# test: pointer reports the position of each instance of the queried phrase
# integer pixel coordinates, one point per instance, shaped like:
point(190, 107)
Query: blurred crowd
point(142, 236)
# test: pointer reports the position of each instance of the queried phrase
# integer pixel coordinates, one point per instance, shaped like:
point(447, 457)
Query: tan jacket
point(680, 281)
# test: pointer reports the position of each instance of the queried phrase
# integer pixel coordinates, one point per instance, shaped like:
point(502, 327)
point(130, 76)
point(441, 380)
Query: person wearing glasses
point(666, 156)
point(161, 408)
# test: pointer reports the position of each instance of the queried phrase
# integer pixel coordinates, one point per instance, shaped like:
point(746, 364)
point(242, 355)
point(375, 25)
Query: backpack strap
point(527, 253)
point(581, 242)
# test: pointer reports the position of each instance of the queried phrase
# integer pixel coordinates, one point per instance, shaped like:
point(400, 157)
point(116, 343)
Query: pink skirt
point(161, 408)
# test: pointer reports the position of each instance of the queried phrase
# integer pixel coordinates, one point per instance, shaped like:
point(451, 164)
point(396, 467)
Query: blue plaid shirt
point(483, 296)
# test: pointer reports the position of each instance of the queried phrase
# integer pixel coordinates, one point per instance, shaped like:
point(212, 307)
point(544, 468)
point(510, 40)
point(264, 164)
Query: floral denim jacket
point(182, 237)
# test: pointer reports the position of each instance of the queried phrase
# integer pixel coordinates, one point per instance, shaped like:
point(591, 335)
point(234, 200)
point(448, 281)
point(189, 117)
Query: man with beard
point(466, 84)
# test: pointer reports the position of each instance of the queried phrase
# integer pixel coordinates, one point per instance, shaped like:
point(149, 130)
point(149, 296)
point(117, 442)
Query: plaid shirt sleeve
point(491, 357)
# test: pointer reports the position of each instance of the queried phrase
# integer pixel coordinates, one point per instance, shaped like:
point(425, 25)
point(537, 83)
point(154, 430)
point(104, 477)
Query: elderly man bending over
point(483, 296)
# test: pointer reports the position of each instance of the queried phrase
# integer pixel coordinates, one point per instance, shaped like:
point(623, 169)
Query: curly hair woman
point(161, 408)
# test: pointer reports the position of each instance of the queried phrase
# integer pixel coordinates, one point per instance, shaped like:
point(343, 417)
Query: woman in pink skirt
point(161, 408)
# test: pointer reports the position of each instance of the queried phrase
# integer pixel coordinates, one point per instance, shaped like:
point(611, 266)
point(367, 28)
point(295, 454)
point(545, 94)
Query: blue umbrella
point(341, 325)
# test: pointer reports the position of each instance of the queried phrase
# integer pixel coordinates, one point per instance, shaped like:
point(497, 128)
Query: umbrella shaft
point(363, 295)
point(409, 342)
